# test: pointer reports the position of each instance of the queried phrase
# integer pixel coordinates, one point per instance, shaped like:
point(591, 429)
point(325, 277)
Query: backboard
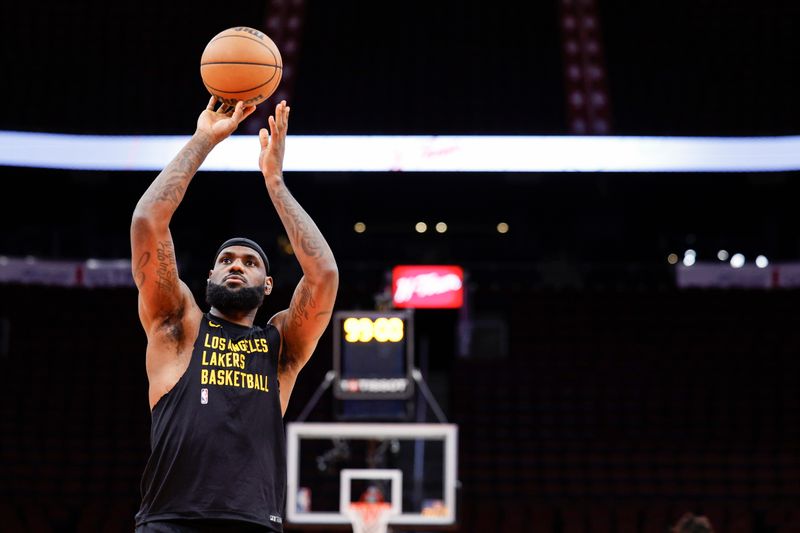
point(413, 467)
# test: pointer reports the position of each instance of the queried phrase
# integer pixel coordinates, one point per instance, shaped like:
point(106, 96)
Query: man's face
point(238, 282)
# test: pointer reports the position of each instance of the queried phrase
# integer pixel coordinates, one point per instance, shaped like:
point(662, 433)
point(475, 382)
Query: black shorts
point(201, 526)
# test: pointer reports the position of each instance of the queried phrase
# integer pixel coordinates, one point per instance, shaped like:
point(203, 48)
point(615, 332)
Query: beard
point(234, 300)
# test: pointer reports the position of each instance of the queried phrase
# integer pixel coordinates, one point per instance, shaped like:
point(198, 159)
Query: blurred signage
point(428, 286)
point(60, 273)
point(723, 276)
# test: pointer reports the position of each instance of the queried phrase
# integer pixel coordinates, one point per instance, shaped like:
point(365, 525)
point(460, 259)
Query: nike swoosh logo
point(213, 325)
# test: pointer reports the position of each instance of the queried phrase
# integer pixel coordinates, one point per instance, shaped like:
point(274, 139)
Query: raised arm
point(162, 296)
point(309, 312)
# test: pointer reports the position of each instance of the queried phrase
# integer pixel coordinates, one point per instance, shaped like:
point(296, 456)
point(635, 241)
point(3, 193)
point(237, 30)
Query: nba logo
point(204, 396)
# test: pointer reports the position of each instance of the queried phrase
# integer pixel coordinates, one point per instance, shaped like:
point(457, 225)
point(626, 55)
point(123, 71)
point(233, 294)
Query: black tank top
point(217, 438)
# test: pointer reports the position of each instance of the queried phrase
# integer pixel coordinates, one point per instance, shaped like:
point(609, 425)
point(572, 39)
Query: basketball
point(241, 63)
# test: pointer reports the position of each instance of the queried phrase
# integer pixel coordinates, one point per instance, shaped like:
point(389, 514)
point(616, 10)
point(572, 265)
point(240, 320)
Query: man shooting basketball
point(219, 384)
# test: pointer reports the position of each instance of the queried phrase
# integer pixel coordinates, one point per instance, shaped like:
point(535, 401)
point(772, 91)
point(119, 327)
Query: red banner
point(428, 286)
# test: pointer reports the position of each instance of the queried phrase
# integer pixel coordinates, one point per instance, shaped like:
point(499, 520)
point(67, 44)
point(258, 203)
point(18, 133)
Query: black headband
point(241, 241)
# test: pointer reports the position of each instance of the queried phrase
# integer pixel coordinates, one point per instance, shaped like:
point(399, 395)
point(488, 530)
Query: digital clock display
point(373, 354)
point(365, 329)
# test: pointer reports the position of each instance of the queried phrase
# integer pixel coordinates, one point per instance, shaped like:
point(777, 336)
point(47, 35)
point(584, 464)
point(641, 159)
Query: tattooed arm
point(162, 296)
point(302, 324)
point(166, 306)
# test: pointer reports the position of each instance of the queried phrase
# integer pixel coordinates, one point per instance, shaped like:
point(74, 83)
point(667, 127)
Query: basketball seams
point(274, 72)
point(249, 39)
point(240, 63)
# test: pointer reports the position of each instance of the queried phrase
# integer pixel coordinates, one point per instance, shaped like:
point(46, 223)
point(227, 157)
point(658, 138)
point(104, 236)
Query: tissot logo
point(374, 385)
point(428, 286)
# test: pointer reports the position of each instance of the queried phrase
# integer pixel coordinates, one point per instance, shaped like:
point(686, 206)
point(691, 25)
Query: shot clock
point(373, 355)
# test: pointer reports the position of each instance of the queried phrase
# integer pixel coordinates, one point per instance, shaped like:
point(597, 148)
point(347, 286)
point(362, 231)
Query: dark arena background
point(605, 385)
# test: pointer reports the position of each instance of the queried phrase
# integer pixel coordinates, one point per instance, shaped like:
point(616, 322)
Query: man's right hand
point(218, 125)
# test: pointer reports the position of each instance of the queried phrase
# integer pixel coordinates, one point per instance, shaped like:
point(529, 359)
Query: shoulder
point(156, 317)
point(175, 330)
point(277, 321)
point(271, 331)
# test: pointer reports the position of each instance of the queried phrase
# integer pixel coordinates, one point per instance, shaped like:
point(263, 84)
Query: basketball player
point(218, 383)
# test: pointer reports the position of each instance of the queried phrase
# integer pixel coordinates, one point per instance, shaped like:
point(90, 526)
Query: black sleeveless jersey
point(217, 438)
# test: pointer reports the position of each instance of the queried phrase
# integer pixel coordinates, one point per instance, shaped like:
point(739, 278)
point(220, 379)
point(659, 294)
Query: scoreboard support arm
point(417, 375)
point(326, 383)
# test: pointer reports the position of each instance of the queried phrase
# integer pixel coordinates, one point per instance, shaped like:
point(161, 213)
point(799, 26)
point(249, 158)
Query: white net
point(369, 517)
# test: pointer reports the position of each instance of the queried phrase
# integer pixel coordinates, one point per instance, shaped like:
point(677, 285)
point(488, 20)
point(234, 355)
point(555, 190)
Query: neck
point(243, 318)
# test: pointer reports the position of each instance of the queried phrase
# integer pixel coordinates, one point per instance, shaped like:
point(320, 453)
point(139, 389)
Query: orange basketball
point(241, 64)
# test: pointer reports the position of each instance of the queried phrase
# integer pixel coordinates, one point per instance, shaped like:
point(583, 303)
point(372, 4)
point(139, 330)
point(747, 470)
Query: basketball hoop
point(369, 517)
